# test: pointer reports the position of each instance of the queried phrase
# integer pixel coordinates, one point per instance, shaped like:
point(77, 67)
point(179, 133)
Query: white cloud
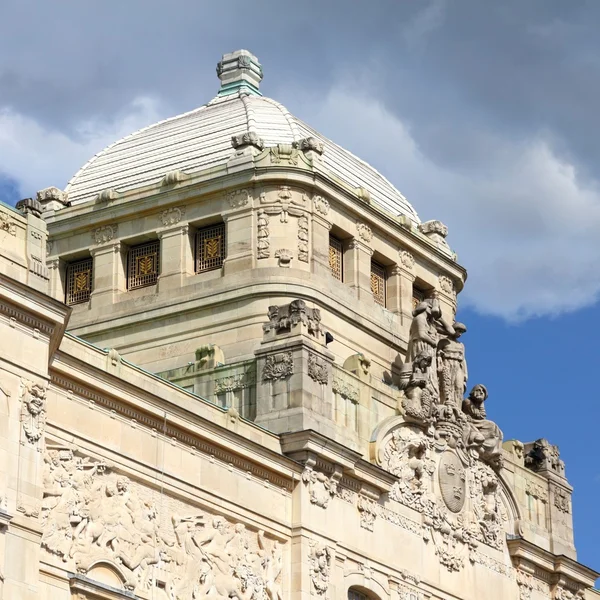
point(523, 223)
point(37, 157)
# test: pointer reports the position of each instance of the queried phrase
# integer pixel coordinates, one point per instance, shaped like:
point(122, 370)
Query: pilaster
point(320, 246)
point(176, 258)
point(240, 237)
point(109, 272)
point(358, 269)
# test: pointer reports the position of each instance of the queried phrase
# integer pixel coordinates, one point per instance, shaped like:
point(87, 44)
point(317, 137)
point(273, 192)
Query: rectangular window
point(336, 258)
point(418, 296)
point(79, 281)
point(142, 265)
point(378, 277)
point(210, 248)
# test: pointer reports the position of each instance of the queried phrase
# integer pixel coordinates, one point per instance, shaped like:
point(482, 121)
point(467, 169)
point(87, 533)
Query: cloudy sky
point(482, 113)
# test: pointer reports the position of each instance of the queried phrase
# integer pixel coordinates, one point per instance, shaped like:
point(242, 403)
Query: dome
point(202, 138)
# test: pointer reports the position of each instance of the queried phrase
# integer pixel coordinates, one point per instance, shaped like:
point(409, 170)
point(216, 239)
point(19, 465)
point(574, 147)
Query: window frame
point(70, 273)
point(199, 237)
point(375, 265)
point(135, 281)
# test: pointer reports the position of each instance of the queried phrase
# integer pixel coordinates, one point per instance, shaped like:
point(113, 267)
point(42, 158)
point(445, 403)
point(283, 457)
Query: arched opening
point(358, 593)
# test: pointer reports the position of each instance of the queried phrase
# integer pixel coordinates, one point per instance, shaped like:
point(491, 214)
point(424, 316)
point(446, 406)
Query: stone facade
point(247, 422)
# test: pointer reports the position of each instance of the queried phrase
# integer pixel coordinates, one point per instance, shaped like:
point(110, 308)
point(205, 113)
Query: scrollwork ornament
point(321, 205)
point(446, 284)
point(321, 487)
point(239, 198)
point(172, 216)
point(319, 559)
point(364, 232)
point(407, 260)
point(7, 224)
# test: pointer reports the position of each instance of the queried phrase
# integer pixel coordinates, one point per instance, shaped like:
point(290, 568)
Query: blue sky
point(483, 114)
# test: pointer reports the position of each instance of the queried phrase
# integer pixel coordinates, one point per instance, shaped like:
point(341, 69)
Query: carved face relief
point(453, 481)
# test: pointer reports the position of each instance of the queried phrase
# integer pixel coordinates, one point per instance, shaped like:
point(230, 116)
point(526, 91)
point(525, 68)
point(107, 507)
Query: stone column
point(176, 257)
point(358, 269)
point(240, 235)
point(320, 237)
point(56, 270)
point(109, 272)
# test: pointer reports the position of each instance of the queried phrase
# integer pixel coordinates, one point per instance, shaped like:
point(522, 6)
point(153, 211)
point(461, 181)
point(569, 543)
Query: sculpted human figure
point(425, 330)
point(419, 393)
point(452, 367)
point(483, 435)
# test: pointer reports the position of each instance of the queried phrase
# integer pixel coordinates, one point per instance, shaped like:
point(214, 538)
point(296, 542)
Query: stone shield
point(453, 481)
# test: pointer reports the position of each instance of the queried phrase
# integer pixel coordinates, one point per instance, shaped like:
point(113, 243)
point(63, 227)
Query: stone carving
point(52, 194)
point(174, 177)
point(172, 216)
point(250, 138)
point(309, 144)
point(453, 481)
point(518, 449)
point(344, 389)
point(238, 198)
point(233, 382)
point(419, 392)
point(303, 238)
point(318, 369)
point(407, 260)
point(33, 410)
point(283, 318)
point(320, 487)
point(487, 505)
point(285, 257)
point(434, 229)
point(543, 456)
point(367, 512)
point(90, 514)
point(484, 436)
point(107, 195)
point(7, 224)
point(321, 205)
point(525, 583)
point(446, 284)
point(319, 559)
point(263, 245)
point(562, 500)
point(285, 203)
point(561, 593)
point(104, 234)
point(29, 206)
point(452, 368)
point(363, 194)
point(535, 490)
point(364, 232)
point(278, 366)
point(284, 153)
point(406, 454)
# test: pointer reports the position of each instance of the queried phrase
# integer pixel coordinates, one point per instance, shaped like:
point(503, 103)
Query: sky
point(483, 114)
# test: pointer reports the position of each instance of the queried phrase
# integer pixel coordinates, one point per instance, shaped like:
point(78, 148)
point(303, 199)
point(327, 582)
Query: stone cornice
point(154, 199)
point(307, 445)
point(557, 568)
point(35, 309)
point(192, 421)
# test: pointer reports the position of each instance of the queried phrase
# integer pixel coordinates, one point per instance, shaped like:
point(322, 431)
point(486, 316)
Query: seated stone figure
point(483, 436)
point(419, 396)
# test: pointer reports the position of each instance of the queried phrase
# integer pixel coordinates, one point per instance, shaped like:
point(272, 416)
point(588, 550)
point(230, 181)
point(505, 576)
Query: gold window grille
point(210, 248)
point(378, 282)
point(79, 281)
point(143, 265)
point(336, 258)
point(417, 297)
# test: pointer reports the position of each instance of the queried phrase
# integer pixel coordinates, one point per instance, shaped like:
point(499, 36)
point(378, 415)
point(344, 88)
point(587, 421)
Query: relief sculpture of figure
point(452, 368)
point(419, 394)
point(483, 436)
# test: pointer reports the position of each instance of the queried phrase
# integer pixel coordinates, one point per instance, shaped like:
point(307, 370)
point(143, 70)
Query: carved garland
point(278, 366)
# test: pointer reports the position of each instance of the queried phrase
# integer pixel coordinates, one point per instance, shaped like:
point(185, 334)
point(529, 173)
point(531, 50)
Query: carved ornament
point(172, 216)
point(278, 366)
point(407, 260)
point(284, 153)
point(263, 244)
point(364, 232)
point(174, 177)
point(250, 138)
point(53, 194)
point(446, 284)
point(285, 257)
point(104, 234)
point(320, 487)
point(318, 369)
point(33, 410)
point(239, 198)
point(345, 389)
point(319, 560)
point(91, 514)
point(233, 382)
point(536, 490)
point(453, 481)
point(303, 238)
point(544, 456)
point(321, 205)
point(562, 500)
point(283, 318)
point(310, 144)
point(7, 224)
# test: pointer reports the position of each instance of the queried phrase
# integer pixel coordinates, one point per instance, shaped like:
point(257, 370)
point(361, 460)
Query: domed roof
point(202, 138)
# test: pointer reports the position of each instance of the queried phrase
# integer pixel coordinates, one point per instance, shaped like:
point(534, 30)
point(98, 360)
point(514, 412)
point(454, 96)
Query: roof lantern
point(239, 71)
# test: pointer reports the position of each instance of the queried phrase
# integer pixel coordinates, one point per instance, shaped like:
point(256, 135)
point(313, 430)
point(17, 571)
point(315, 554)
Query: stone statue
point(419, 393)
point(452, 368)
point(424, 335)
point(483, 436)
